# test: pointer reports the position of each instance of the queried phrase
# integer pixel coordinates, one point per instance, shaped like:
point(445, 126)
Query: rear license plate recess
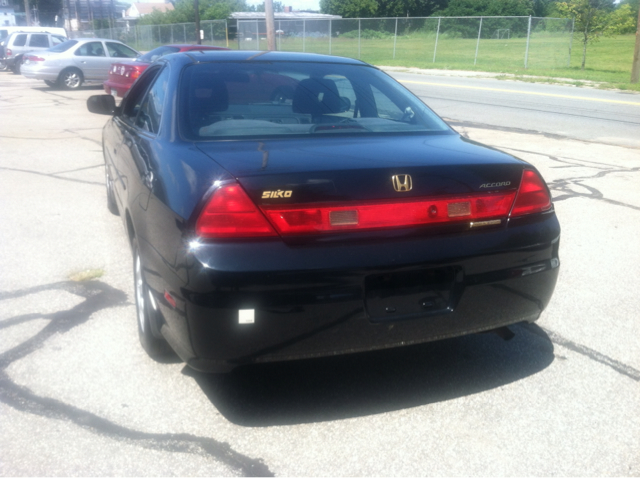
point(409, 294)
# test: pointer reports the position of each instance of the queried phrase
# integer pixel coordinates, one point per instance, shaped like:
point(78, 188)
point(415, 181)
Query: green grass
point(608, 62)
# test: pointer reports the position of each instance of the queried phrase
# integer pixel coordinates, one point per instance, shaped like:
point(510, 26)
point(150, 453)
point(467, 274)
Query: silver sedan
point(70, 64)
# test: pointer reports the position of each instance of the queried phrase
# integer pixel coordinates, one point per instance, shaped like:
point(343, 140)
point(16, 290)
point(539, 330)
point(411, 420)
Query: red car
point(124, 73)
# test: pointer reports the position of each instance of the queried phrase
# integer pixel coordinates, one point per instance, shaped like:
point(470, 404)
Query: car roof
point(84, 40)
point(192, 45)
point(267, 56)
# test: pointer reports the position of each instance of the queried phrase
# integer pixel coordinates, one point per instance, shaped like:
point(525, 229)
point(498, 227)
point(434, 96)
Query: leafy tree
point(184, 12)
point(498, 8)
point(381, 8)
point(409, 8)
point(350, 8)
point(543, 8)
point(596, 18)
point(635, 5)
point(278, 7)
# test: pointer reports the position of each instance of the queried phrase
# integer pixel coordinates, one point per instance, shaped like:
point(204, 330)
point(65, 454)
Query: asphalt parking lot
point(79, 397)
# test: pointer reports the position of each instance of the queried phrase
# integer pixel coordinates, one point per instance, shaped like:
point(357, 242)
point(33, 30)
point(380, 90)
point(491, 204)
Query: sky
point(296, 4)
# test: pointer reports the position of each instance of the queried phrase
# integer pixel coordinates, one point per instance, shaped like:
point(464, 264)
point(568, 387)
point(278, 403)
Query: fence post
point(435, 48)
point(257, 36)
point(395, 37)
point(359, 20)
point(573, 24)
point(478, 43)
point(304, 35)
point(526, 53)
point(135, 32)
point(329, 37)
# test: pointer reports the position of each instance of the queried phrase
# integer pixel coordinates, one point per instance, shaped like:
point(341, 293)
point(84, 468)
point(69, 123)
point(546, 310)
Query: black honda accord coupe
point(285, 206)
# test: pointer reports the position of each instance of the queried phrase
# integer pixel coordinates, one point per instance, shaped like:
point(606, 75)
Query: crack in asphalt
point(76, 132)
point(99, 296)
point(101, 165)
point(52, 175)
point(590, 353)
point(564, 187)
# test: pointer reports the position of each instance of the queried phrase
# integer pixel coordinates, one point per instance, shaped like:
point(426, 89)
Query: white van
point(6, 31)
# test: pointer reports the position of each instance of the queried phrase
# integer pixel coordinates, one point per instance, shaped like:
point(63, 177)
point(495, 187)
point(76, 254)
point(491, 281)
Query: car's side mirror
point(102, 104)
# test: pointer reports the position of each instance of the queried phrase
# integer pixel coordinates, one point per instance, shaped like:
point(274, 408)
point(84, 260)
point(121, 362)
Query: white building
point(7, 14)
point(140, 9)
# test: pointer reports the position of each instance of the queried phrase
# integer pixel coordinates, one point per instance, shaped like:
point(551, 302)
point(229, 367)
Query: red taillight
point(135, 73)
point(8, 52)
point(230, 213)
point(533, 195)
point(311, 219)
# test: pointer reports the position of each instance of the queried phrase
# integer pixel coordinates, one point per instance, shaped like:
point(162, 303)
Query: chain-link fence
point(448, 42)
point(148, 37)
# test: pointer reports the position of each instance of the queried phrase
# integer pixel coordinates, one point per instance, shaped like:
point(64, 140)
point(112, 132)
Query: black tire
point(147, 317)
point(51, 84)
point(16, 66)
point(70, 79)
point(111, 198)
point(3, 65)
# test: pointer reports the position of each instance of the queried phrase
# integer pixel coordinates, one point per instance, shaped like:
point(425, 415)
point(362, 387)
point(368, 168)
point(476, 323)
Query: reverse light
point(320, 218)
point(231, 214)
point(533, 195)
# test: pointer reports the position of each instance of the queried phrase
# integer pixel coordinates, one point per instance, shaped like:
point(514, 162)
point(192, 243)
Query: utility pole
point(197, 8)
point(27, 13)
point(270, 24)
point(635, 67)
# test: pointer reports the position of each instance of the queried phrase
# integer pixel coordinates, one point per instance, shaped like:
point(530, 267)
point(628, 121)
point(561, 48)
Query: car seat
point(207, 95)
point(316, 97)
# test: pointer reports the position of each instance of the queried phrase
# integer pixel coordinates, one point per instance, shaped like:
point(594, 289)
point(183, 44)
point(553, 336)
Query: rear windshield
point(156, 53)
point(243, 99)
point(64, 46)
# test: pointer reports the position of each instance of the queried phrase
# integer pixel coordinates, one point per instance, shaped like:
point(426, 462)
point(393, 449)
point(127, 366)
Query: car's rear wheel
point(3, 65)
point(70, 79)
point(111, 198)
point(16, 65)
point(156, 347)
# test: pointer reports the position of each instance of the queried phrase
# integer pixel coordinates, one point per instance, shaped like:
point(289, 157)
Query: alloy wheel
point(71, 80)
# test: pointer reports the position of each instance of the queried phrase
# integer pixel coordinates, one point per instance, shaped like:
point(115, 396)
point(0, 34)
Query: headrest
point(316, 96)
point(207, 95)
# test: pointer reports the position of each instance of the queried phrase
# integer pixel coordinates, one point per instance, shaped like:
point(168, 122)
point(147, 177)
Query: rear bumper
point(39, 72)
point(493, 279)
point(119, 88)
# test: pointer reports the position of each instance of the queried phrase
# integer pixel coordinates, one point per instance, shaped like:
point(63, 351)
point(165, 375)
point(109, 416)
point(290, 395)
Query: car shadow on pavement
point(349, 386)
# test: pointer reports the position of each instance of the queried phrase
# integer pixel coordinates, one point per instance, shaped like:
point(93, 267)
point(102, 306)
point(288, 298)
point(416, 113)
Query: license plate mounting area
point(409, 294)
